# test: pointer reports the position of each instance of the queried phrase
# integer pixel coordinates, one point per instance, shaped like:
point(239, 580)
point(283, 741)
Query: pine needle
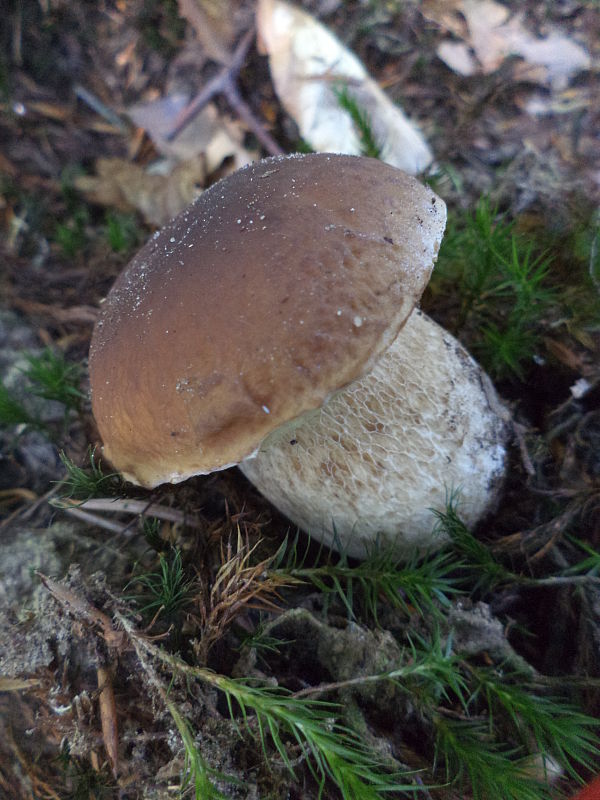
point(419, 585)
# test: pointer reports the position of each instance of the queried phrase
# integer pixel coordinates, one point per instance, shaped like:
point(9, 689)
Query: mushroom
point(263, 327)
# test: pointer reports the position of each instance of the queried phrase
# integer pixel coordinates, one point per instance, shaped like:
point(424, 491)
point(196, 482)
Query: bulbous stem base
point(385, 452)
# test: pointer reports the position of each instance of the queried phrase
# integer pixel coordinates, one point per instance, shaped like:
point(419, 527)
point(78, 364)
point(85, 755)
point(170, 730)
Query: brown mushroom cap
point(281, 284)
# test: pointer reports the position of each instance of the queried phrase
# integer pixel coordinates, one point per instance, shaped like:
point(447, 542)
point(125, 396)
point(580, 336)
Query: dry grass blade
point(16, 684)
point(95, 520)
point(129, 506)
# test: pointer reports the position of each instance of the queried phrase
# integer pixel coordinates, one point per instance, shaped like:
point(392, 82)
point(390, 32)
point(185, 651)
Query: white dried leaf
point(493, 35)
point(561, 57)
point(457, 56)
point(208, 134)
point(308, 64)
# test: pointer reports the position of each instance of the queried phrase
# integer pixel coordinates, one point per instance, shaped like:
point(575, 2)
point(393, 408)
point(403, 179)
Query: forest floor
point(171, 646)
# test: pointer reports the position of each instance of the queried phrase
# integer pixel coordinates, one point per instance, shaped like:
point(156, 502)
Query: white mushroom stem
point(387, 451)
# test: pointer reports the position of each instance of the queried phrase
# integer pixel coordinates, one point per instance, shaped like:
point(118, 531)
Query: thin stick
point(561, 580)
point(243, 110)
point(93, 519)
point(224, 83)
point(141, 507)
point(215, 86)
point(99, 107)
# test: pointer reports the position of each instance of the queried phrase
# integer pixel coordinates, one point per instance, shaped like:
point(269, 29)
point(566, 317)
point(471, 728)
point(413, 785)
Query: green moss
point(122, 231)
point(500, 283)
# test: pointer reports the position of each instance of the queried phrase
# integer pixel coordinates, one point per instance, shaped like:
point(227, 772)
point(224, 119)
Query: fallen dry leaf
point(208, 134)
point(308, 64)
point(457, 56)
point(493, 35)
point(443, 13)
point(213, 24)
point(125, 186)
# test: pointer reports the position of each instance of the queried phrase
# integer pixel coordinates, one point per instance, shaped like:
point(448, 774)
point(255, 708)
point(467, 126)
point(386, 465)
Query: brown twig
point(519, 432)
point(84, 611)
point(108, 717)
point(536, 542)
point(225, 83)
point(29, 772)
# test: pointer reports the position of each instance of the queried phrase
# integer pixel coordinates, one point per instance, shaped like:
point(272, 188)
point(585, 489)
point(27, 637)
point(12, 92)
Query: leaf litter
point(493, 34)
point(309, 66)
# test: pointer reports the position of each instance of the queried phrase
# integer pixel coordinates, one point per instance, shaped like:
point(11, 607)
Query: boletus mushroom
point(271, 325)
